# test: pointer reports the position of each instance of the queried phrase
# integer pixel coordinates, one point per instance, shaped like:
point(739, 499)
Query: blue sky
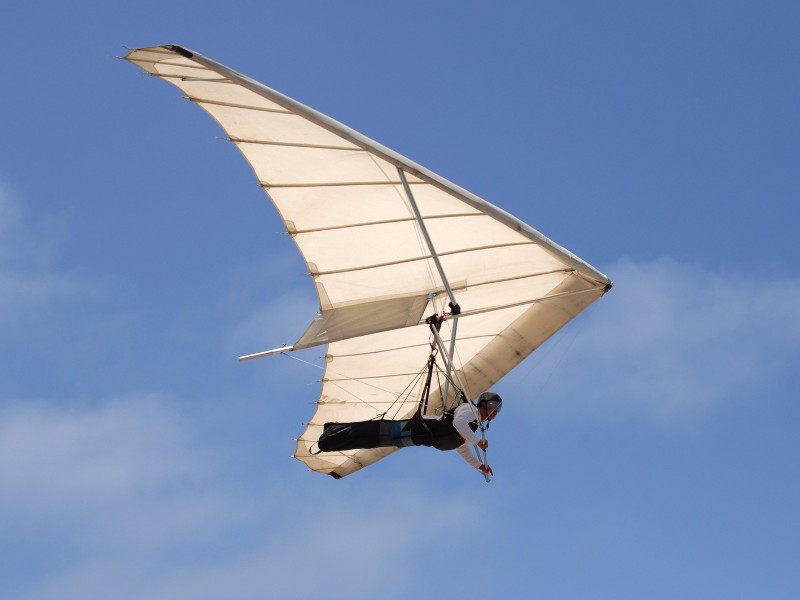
point(648, 451)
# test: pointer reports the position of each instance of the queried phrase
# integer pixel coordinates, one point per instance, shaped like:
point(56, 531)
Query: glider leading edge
point(428, 294)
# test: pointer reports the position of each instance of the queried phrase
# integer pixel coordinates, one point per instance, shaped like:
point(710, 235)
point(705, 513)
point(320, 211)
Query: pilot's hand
point(486, 470)
point(483, 445)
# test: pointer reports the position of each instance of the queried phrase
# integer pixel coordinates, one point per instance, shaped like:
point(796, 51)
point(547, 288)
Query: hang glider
point(388, 243)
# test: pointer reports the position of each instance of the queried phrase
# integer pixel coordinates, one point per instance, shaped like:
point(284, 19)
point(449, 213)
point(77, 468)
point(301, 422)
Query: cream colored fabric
point(340, 196)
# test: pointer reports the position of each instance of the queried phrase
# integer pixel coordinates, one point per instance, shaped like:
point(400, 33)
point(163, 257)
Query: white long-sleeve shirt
point(462, 417)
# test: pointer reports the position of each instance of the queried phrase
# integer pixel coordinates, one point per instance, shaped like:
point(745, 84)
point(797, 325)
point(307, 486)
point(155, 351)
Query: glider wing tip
point(180, 50)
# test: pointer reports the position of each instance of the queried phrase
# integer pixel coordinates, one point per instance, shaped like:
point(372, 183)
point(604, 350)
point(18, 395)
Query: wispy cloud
point(115, 486)
point(142, 508)
point(278, 321)
point(29, 283)
point(673, 340)
point(70, 462)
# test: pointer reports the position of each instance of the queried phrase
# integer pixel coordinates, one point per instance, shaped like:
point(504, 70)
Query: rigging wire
point(406, 392)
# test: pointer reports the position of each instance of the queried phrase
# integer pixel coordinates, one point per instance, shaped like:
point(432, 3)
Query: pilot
point(454, 430)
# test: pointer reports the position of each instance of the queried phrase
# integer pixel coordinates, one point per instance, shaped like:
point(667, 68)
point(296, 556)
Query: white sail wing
point(342, 200)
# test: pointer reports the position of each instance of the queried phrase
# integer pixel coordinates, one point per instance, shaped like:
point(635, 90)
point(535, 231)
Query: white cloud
point(9, 210)
point(673, 340)
point(334, 546)
point(279, 322)
point(28, 283)
point(143, 509)
point(22, 294)
point(76, 462)
point(22, 240)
